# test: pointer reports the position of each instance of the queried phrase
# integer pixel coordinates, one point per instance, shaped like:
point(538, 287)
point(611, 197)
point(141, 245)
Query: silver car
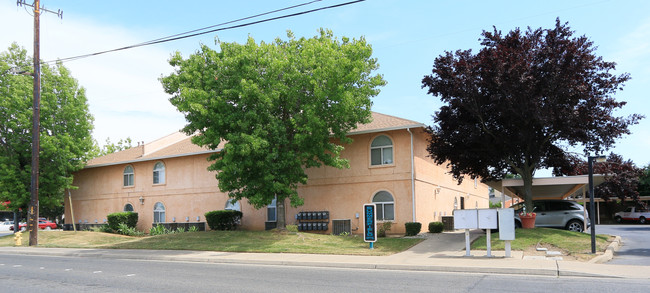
point(563, 214)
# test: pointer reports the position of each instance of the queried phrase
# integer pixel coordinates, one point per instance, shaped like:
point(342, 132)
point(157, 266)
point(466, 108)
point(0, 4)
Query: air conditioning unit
point(341, 226)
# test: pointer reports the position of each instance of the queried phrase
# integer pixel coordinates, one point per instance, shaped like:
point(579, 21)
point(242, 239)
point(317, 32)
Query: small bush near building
point(158, 230)
point(128, 231)
point(413, 228)
point(292, 228)
point(130, 219)
point(223, 220)
point(383, 228)
point(435, 227)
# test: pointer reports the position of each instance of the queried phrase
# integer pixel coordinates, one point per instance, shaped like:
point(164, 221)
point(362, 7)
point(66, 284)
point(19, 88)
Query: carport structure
point(574, 187)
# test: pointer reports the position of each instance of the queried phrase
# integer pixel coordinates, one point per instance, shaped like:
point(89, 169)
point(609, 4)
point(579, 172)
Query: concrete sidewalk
point(438, 252)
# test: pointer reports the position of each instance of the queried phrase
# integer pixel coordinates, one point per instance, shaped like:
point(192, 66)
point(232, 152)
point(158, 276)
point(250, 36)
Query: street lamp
point(592, 215)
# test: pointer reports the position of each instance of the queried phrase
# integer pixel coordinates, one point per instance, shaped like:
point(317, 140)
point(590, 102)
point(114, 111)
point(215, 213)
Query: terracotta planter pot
point(528, 221)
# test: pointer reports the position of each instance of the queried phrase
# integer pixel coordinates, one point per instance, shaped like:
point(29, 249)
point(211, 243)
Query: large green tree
point(279, 107)
point(519, 103)
point(66, 127)
point(110, 147)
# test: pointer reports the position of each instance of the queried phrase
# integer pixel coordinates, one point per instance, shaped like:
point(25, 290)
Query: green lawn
point(230, 241)
point(573, 243)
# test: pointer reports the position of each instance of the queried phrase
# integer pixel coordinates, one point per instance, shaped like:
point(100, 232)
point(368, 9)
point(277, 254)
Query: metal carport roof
point(549, 187)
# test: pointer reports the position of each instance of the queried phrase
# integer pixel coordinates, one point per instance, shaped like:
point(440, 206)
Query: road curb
point(468, 268)
point(609, 252)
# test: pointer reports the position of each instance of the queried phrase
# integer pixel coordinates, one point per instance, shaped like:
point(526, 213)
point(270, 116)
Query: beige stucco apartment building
point(167, 181)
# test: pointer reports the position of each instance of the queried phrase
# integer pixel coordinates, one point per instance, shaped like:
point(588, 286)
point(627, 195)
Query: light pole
point(592, 215)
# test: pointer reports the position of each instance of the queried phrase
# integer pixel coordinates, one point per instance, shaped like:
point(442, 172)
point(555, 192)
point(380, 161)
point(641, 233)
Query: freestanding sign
point(369, 224)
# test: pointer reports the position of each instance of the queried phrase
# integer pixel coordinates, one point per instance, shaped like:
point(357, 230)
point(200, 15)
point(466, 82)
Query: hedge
point(436, 227)
point(128, 218)
point(223, 219)
point(413, 228)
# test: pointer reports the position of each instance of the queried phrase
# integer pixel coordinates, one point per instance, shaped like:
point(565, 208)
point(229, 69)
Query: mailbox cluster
point(313, 226)
point(313, 215)
point(312, 221)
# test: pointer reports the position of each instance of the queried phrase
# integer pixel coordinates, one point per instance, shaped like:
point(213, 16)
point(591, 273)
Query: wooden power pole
point(32, 220)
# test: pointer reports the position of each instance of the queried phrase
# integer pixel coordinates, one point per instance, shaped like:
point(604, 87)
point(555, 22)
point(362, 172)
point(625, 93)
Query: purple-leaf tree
point(519, 103)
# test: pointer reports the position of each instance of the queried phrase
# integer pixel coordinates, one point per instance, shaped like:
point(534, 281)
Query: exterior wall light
point(141, 200)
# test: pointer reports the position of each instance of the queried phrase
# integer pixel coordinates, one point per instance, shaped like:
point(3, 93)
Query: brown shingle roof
point(179, 144)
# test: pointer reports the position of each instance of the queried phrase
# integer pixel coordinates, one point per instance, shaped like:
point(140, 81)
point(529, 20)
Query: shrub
point(413, 228)
point(158, 230)
point(102, 228)
point(223, 220)
point(385, 226)
point(292, 228)
point(193, 229)
point(435, 227)
point(129, 219)
point(128, 231)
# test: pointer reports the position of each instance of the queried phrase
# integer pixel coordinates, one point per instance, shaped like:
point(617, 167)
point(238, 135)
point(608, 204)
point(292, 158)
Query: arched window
point(159, 213)
point(159, 173)
point(381, 151)
point(232, 204)
point(128, 207)
point(385, 206)
point(128, 176)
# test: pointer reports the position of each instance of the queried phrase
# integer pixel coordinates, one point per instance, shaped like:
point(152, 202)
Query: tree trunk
point(527, 177)
point(281, 219)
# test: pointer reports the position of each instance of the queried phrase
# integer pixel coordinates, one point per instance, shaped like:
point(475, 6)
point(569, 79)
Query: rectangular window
point(128, 179)
point(271, 212)
point(156, 177)
point(389, 211)
point(375, 157)
point(387, 155)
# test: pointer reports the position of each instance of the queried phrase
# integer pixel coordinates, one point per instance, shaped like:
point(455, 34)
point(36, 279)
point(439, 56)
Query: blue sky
point(127, 100)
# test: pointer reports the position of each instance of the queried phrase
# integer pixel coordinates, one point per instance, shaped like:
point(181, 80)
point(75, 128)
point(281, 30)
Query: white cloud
point(633, 52)
point(123, 90)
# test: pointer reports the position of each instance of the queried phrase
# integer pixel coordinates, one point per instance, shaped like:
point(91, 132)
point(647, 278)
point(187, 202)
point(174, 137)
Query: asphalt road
point(635, 248)
point(20, 273)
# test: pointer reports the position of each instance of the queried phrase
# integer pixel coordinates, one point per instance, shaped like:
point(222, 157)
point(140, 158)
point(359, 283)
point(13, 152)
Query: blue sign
point(369, 223)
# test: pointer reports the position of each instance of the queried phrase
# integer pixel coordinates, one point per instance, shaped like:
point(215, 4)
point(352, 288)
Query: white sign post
point(487, 219)
point(476, 219)
point(507, 227)
point(466, 219)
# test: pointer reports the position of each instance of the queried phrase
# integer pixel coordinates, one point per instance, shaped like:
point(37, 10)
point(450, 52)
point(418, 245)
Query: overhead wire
point(198, 32)
point(232, 21)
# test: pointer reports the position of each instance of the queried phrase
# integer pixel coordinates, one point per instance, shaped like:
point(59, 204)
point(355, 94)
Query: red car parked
point(42, 224)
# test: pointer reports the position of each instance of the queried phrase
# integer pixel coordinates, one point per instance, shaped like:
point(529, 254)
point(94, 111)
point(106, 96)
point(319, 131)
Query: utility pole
point(32, 220)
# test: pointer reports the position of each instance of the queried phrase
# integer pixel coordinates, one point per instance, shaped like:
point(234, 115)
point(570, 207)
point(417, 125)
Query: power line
point(229, 22)
point(194, 33)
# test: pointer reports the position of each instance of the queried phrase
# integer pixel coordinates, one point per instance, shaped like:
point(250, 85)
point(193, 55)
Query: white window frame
point(128, 178)
point(159, 214)
point(382, 149)
point(381, 206)
point(159, 173)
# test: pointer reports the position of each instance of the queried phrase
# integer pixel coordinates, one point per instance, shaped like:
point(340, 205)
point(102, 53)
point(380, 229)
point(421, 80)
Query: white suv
point(563, 214)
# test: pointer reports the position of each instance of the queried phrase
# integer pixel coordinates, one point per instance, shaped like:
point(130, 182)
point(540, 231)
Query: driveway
point(634, 249)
